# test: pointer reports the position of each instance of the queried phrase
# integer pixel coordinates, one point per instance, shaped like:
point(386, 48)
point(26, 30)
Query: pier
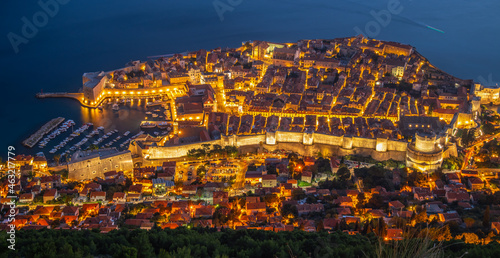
point(76, 96)
point(46, 128)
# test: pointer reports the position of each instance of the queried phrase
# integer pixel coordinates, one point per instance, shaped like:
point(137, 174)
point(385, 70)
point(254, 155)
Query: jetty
point(46, 128)
point(77, 96)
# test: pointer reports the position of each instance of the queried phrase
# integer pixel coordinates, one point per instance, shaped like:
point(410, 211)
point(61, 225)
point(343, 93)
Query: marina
point(63, 138)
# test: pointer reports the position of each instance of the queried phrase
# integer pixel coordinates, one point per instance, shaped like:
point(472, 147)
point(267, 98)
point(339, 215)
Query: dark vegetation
point(202, 242)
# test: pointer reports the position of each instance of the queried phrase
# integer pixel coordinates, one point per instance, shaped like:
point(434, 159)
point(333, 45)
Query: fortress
point(427, 152)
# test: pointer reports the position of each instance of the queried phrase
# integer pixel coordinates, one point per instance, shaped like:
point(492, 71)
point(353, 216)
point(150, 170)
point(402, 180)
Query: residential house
point(71, 211)
point(394, 234)
point(269, 181)
point(306, 176)
point(495, 226)
point(475, 183)
point(422, 194)
point(344, 201)
point(134, 197)
point(286, 190)
point(308, 208)
point(457, 197)
point(135, 189)
point(119, 197)
point(189, 189)
point(255, 207)
point(219, 197)
point(98, 196)
point(396, 205)
point(449, 216)
point(50, 195)
point(26, 197)
point(49, 182)
point(453, 178)
point(204, 212)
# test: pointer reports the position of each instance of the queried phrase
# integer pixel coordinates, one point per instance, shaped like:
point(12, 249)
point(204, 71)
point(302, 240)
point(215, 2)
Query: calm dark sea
point(96, 35)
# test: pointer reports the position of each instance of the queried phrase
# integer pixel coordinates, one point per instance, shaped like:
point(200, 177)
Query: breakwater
point(46, 128)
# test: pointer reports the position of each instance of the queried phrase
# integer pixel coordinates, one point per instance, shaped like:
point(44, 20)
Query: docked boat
point(155, 103)
point(163, 125)
point(146, 125)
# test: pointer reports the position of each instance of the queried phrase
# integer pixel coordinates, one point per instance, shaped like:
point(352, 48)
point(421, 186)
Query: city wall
point(303, 143)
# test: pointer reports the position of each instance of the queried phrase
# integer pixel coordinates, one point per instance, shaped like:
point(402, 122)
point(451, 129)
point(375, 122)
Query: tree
point(217, 149)
point(298, 194)
point(30, 175)
point(361, 200)
point(320, 226)
point(431, 109)
point(126, 251)
point(376, 202)
point(486, 217)
point(248, 45)
point(271, 198)
point(289, 211)
point(143, 245)
point(421, 216)
point(206, 147)
point(67, 250)
point(220, 216)
point(201, 171)
point(469, 222)
point(323, 166)
point(343, 174)
point(271, 169)
point(381, 228)
point(55, 223)
point(57, 157)
point(468, 137)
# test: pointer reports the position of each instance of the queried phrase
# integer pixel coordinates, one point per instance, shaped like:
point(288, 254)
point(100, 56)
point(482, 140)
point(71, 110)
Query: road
point(477, 143)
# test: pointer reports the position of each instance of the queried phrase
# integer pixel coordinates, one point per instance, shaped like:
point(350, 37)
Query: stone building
point(487, 94)
point(90, 164)
point(426, 152)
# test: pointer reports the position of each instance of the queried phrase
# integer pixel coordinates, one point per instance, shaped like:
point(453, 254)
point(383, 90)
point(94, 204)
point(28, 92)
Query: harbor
point(114, 125)
point(45, 129)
